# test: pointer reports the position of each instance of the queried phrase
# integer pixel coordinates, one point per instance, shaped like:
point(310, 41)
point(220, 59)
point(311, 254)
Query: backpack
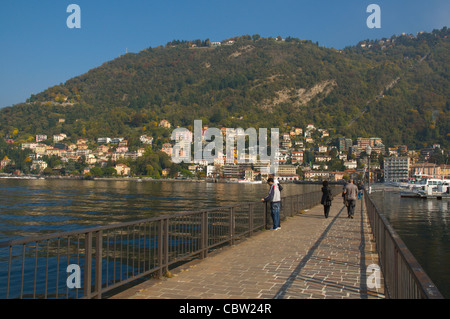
point(329, 196)
point(280, 187)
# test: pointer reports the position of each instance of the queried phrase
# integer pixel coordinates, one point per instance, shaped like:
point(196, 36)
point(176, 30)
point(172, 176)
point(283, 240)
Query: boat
point(442, 191)
point(432, 183)
point(243, 181)
point(419, 183)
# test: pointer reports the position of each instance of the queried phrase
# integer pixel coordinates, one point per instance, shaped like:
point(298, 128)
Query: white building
point(323, 149)
point(117, 140)
point(210, 171)
point(40, 138)
point(31, 146)
point(322, 158)
point(396, 169)
point(106, 140)
point(350, 164)
point(297, 157)
point(59, 137)
point(146, 139)
point(38, 165)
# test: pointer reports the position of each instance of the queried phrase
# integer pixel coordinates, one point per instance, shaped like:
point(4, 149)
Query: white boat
point(243, 181)
point(432, 183)
point(440, 191)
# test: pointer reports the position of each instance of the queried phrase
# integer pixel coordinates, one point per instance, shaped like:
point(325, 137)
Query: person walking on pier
point(327, 197)
point(344, 195)
point(360, 192)
point(274, 198)
point(351, 191)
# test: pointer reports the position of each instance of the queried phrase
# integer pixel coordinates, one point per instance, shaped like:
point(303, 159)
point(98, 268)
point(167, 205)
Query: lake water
point(424, 227)
point(38, 207)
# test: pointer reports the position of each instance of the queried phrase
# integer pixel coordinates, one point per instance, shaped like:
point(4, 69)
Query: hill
point(396, 89)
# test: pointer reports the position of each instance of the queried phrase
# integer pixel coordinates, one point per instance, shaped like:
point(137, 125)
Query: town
point(304, 154)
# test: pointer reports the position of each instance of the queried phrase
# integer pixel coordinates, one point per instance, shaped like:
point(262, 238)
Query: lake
point(423, 224)
point(40, 206)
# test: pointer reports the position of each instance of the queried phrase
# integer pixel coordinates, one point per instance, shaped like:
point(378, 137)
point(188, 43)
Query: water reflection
point(37, 207)
point(423, 226)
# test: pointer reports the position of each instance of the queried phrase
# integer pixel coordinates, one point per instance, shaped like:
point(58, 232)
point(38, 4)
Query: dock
point(310, 257)
point(426, 196)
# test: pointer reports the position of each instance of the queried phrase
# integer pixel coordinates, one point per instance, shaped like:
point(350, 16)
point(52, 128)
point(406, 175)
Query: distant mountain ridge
point(395, 88)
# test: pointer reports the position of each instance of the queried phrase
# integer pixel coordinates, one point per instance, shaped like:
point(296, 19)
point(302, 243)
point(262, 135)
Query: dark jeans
point(275, 209)
point(326, 210)
point(351, 207)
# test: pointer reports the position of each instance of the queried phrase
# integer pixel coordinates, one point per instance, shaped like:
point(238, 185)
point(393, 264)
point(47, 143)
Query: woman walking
point(327, 197)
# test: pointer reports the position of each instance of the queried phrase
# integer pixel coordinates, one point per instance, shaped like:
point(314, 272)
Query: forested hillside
point(396, 89)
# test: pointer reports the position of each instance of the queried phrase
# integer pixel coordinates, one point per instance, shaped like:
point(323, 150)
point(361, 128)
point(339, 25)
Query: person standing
point(327, 197)
point(351, 191)
point(276, 182)
point(274, 198)
point(360, 192)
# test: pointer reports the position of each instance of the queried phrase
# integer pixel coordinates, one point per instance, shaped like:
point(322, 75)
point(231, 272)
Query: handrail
point(21, 241)
point(111, 256)
point(403, 275)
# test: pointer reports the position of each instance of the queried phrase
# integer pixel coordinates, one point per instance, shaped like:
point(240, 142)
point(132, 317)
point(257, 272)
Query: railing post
point(166, 245)
point(87, 264)
point(231, 222)
point(160, 247)
point(291, 205)
point(250, 219)
point(266, 215)
point(204, 236)
point(98, 264)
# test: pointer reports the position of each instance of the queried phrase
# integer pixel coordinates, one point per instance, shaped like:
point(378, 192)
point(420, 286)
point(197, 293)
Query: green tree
point(96, 172)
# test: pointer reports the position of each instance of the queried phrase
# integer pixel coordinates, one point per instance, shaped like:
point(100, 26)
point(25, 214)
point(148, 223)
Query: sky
point(38, 49)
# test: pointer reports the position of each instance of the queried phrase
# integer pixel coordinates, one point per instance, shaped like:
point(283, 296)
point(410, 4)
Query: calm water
point(424, 227)
point(37, 207)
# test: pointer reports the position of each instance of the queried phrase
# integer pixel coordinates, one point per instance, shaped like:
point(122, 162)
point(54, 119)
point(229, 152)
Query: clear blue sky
point(38, 50)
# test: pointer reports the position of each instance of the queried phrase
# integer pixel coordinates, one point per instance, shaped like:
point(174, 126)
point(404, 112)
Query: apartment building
point(396, 169)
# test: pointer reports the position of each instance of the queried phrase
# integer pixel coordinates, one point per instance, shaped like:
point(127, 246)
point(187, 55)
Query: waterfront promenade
point(309, 258)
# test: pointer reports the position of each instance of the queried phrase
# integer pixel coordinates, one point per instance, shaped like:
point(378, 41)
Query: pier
point(223, 253)
point(310, 257)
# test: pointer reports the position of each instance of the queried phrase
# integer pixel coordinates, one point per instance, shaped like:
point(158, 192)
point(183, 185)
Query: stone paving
point(310, 257)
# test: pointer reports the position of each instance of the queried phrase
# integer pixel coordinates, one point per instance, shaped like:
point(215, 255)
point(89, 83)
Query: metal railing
point(109, 257)
point(404, 278)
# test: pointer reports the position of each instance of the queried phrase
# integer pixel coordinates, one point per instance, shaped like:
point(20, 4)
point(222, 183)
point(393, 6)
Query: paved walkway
point(309, 258)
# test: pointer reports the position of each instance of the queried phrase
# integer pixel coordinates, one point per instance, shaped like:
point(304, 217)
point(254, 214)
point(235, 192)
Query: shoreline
point(81, 178)
point(136, 179)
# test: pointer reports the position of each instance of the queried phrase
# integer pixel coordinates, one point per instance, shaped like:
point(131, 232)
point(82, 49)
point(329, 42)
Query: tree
point(437, 157)
point(48, 171)
point(109, 171)
point(96, 172)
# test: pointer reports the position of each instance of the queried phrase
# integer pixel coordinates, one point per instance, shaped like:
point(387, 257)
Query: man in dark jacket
point(351, 190)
